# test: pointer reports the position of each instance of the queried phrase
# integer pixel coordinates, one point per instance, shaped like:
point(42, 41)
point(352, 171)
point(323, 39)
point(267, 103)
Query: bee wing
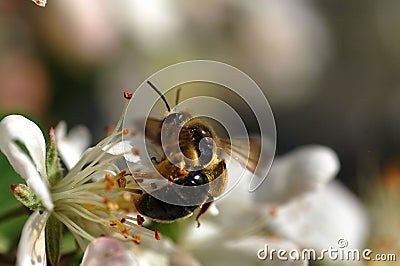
point(254, 154)
point(245, 151)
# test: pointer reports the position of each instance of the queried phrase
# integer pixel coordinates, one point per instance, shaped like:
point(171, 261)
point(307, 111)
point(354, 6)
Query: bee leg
point(202, 210)
point(154, 160)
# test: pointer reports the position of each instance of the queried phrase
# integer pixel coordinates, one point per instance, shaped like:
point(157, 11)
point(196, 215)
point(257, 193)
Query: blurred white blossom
point(72, 145)
point(312, 212)
point(288, 44)
point(151, 24)
point(105, 251)
point(85, 31)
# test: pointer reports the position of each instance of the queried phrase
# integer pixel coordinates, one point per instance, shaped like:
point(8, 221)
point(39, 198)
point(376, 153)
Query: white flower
point(18, 128)
point(311, 208)
point(107, 251)
point(74, 200)
point(298, 206)
point(298, 172)
point(318, 220)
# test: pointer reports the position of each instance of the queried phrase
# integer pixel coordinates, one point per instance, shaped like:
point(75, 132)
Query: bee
point(189, 159)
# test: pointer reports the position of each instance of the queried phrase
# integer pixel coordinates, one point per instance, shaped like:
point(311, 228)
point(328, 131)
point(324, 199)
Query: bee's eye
point(195, 178)
point(200, 132)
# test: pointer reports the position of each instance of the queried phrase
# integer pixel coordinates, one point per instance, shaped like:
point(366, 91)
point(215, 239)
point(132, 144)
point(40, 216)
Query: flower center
point(97, 192)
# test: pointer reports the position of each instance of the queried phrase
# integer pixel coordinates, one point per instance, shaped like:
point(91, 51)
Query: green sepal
point(54, 230)
point(26, 196)
point(174, 230)
point(53, 165)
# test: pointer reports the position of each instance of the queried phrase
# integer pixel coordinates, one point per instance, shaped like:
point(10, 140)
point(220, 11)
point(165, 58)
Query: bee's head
point(182, 134)
point(196, 130)
point(197, 141)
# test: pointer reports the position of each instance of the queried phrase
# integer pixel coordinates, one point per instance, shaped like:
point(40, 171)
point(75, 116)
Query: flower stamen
point(128, 95)
point(98, 191)
point(157, 234)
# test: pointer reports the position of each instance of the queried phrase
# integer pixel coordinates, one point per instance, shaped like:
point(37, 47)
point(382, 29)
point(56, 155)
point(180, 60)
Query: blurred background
point(330, 69)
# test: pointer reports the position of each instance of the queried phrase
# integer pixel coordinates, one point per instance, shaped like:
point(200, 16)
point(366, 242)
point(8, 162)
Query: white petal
point(183, 258)
point(197, 237)
point(151, 252)
point(236, 208)
point(118, 148)
point(300, 171)
point(213, 210)
point(17, 127)
point(249, 247)
point(244, 251)
point(31, 248)
point(23, 166)
point(29, 134)
point(71, 146)
point(320, 219)
point(149, 257)
point(41, 3)
point(122, 148)
point(107, 251)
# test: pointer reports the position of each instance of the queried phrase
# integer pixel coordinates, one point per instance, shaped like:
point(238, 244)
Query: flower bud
point(25, 195)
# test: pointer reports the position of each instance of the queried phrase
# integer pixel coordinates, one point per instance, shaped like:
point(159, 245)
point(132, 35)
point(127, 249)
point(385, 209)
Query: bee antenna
point(161, 95)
